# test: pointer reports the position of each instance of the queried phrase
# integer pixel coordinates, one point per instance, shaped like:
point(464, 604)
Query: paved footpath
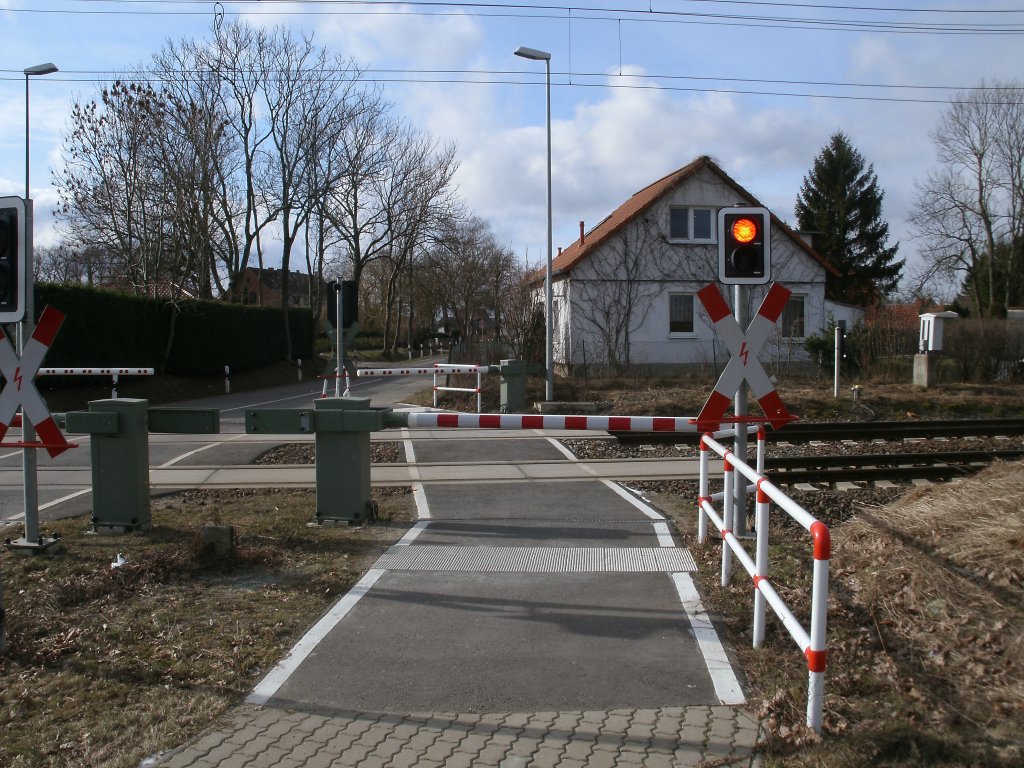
point(517, 624)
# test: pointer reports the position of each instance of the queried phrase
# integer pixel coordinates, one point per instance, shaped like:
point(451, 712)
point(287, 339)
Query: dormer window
point(691, 224)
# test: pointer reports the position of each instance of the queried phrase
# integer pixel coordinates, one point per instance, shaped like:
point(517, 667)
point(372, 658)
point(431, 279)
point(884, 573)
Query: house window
point(680, 313)
point(793, 325)
point(691, 225)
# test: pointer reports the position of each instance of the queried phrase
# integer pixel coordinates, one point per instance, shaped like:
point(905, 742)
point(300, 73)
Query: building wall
point(643, 266)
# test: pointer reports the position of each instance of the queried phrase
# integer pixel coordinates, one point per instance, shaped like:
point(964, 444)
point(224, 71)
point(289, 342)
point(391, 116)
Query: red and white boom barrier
point(114, 373)
point(431, 420)
point(438, 369)
point(812, 642)
point(531, 421)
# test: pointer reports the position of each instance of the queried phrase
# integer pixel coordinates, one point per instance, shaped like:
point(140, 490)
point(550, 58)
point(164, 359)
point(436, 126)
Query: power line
point(539, 11)
point(627, 82)
point(456, 3)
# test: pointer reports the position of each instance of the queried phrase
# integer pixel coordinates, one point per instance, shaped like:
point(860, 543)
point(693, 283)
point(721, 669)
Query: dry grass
point(925, 638)
point(106, 666)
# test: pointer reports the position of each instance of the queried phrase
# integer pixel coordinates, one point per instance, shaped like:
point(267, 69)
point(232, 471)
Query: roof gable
point(645, 199)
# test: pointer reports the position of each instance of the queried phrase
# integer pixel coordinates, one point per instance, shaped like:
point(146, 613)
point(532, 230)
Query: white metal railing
point(438, 369)
point(811, 642)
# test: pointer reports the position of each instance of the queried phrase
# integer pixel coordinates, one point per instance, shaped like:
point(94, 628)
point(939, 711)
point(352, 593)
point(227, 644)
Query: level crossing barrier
point(119, 448)
point(114, 373)
point(513, 379)
point(439, 370)
point(812, 641)
point(338, 379)
point(342, 429)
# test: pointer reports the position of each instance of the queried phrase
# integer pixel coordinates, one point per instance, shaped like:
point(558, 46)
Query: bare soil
point(105, 666)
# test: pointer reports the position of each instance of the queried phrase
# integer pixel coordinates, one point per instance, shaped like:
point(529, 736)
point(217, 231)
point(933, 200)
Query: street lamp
point(549, 356)
point(37, 70)
point(28, 433)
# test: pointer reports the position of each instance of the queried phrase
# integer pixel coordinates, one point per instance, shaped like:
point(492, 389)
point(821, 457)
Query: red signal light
point(744, 230)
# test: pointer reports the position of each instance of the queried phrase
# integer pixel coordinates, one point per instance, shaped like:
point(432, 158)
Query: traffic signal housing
point(13, 252)
point(744, 246)
point(349, 303)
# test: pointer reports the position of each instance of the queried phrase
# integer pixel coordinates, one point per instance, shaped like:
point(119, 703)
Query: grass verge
point(925, 634)
point(106, 666)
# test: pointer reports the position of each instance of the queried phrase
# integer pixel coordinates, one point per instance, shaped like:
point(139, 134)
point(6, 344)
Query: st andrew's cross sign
point(744, 364)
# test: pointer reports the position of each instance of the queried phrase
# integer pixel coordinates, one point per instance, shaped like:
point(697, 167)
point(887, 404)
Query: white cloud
point(414, 41)
point(616, 142)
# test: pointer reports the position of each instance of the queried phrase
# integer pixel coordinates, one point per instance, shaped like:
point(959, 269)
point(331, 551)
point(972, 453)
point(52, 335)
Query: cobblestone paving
point(266, 737)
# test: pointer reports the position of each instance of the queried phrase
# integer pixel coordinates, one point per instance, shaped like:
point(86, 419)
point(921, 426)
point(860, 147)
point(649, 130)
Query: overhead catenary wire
point(634, 81)
point(552, 11)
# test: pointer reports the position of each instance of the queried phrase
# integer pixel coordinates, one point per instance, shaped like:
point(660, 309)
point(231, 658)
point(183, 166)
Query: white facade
point(631, 299)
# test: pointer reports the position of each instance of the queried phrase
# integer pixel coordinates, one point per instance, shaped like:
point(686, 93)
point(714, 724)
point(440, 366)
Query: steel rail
point(803, 432)
point(904, 467)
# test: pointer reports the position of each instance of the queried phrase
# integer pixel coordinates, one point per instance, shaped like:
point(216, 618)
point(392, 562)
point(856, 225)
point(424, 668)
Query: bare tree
point(613, 291)
point(108, 186)
point(462, 262)
point(416, 198)
point(355, 209)
point(970, 212)
point(519, 316)
point(65, 264)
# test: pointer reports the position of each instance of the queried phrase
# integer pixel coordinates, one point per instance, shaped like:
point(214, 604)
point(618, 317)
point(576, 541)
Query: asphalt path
point(452, 635)
point(506, 597)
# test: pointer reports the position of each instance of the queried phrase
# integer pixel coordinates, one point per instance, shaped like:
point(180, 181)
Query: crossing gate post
point(120, 455)
point(342, 435)
point(120, 462)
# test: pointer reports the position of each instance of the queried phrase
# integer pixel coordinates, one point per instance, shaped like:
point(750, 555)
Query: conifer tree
point(841, 203)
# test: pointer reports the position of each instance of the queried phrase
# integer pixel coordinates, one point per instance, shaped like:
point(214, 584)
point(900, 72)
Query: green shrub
point(106, 329)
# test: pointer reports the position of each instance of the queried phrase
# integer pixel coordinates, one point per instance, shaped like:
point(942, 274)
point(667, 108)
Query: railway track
point(870, 468)
point(805, 432)
point(832, 453)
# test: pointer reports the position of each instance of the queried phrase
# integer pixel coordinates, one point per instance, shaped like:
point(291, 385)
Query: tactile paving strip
point(538, 559)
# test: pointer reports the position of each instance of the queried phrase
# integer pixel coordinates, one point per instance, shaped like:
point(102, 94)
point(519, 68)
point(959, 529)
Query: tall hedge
point(105, 329)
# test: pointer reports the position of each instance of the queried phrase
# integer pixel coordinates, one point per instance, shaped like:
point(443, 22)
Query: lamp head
point(533, 54)
point(41, 69)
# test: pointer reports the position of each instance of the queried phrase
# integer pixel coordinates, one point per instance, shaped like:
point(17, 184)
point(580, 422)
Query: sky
point(638, 89)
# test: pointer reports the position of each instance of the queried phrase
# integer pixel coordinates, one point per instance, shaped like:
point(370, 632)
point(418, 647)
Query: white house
point(625, 292)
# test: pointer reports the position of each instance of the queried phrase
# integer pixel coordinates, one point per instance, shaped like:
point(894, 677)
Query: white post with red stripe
point(811, 643)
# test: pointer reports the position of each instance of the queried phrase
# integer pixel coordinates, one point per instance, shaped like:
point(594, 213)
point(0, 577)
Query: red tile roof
point(644, 199)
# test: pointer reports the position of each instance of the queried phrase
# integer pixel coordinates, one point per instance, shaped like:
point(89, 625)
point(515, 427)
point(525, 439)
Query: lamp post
point(37, 70)
point(549, 356)
point(32, 538)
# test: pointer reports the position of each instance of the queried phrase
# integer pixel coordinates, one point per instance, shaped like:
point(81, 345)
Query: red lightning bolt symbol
point(17, 378)
point(744, 352)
